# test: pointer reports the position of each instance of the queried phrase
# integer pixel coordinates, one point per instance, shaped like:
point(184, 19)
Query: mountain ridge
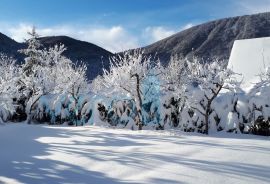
point(92, 55)
point(212, 39)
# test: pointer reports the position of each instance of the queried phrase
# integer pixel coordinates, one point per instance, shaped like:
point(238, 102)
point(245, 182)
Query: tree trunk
point(76, 111)
point(207, 121)
point(139, 109)
point(208, 108)
point(1, 121)
point(29, 114)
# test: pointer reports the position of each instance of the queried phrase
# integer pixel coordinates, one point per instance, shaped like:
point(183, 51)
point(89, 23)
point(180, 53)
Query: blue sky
point(117, 24)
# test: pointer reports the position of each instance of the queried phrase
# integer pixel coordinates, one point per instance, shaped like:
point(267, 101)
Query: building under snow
point(249, 57)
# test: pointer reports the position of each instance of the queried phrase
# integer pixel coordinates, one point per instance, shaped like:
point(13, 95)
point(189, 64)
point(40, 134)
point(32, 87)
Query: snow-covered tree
point(176, 76)
point(134, 76)
point(9, 76)
point(175, 80)
point(259, 104)
point(47, 71)
point(36, 85)
point(72, 80)
point(207, 80)
point(33, 52)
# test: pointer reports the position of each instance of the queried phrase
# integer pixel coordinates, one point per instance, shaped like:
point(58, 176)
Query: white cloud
point(153, 34)
point(187, 26)
point(114, 38)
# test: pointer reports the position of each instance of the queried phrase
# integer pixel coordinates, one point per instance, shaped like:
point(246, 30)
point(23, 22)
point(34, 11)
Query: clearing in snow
point(52, 154)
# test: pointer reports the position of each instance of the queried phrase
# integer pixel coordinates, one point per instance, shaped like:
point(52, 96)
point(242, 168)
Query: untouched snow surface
point(249, 58)
point(49, 154)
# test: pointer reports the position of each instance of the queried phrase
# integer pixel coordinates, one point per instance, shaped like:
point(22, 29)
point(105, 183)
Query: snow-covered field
point(35, 154)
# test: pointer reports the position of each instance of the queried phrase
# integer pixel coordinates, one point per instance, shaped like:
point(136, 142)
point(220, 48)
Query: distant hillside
point(213, 39)
point(9, 46)
point(94, 56)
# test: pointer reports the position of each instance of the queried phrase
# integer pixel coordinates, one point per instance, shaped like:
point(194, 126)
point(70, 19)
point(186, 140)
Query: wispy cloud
point(153, 34)
point(187, 26)
point(114, 38)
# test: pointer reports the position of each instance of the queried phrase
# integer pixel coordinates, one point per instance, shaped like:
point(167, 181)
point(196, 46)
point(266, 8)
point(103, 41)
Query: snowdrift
point(249, 57)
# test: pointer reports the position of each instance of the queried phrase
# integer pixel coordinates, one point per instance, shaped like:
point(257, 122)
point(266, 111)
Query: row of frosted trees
point(45, 73)
point(137, 92)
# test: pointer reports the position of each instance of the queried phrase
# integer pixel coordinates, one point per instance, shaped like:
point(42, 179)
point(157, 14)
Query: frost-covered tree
point(33, 52)
point(47, 71)
point(58, 77)
point(175, 79)
point(29, 78)
point(134, 76)
point(176, 76)
point(259, 104)
point(9, 75)
point(37, 85)
point(72, 80)
point(207, 80)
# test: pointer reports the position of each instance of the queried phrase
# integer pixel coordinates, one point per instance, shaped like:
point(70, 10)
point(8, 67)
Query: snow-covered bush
point(259, 104)
point(231, 111)
point(9, 76)
point(59, 108)
point(207, 80)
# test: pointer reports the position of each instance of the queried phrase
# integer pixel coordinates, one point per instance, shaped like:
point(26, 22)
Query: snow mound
point(249, 58)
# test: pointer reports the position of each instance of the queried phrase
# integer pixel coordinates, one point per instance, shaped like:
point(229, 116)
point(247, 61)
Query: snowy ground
point(44, 154)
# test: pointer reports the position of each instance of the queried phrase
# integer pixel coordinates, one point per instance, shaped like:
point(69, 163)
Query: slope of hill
point(10, 46)
point(213, 39)
point(94, 56)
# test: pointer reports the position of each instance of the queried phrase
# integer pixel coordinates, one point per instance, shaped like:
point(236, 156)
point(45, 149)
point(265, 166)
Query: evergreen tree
point(33, 52)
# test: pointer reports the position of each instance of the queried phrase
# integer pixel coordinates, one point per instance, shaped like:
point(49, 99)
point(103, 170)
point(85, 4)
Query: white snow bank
point(49, 154)
point(249, 58)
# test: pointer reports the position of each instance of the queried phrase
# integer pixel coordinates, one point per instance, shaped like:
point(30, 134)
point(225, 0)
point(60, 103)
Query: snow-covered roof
point(249, 57)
